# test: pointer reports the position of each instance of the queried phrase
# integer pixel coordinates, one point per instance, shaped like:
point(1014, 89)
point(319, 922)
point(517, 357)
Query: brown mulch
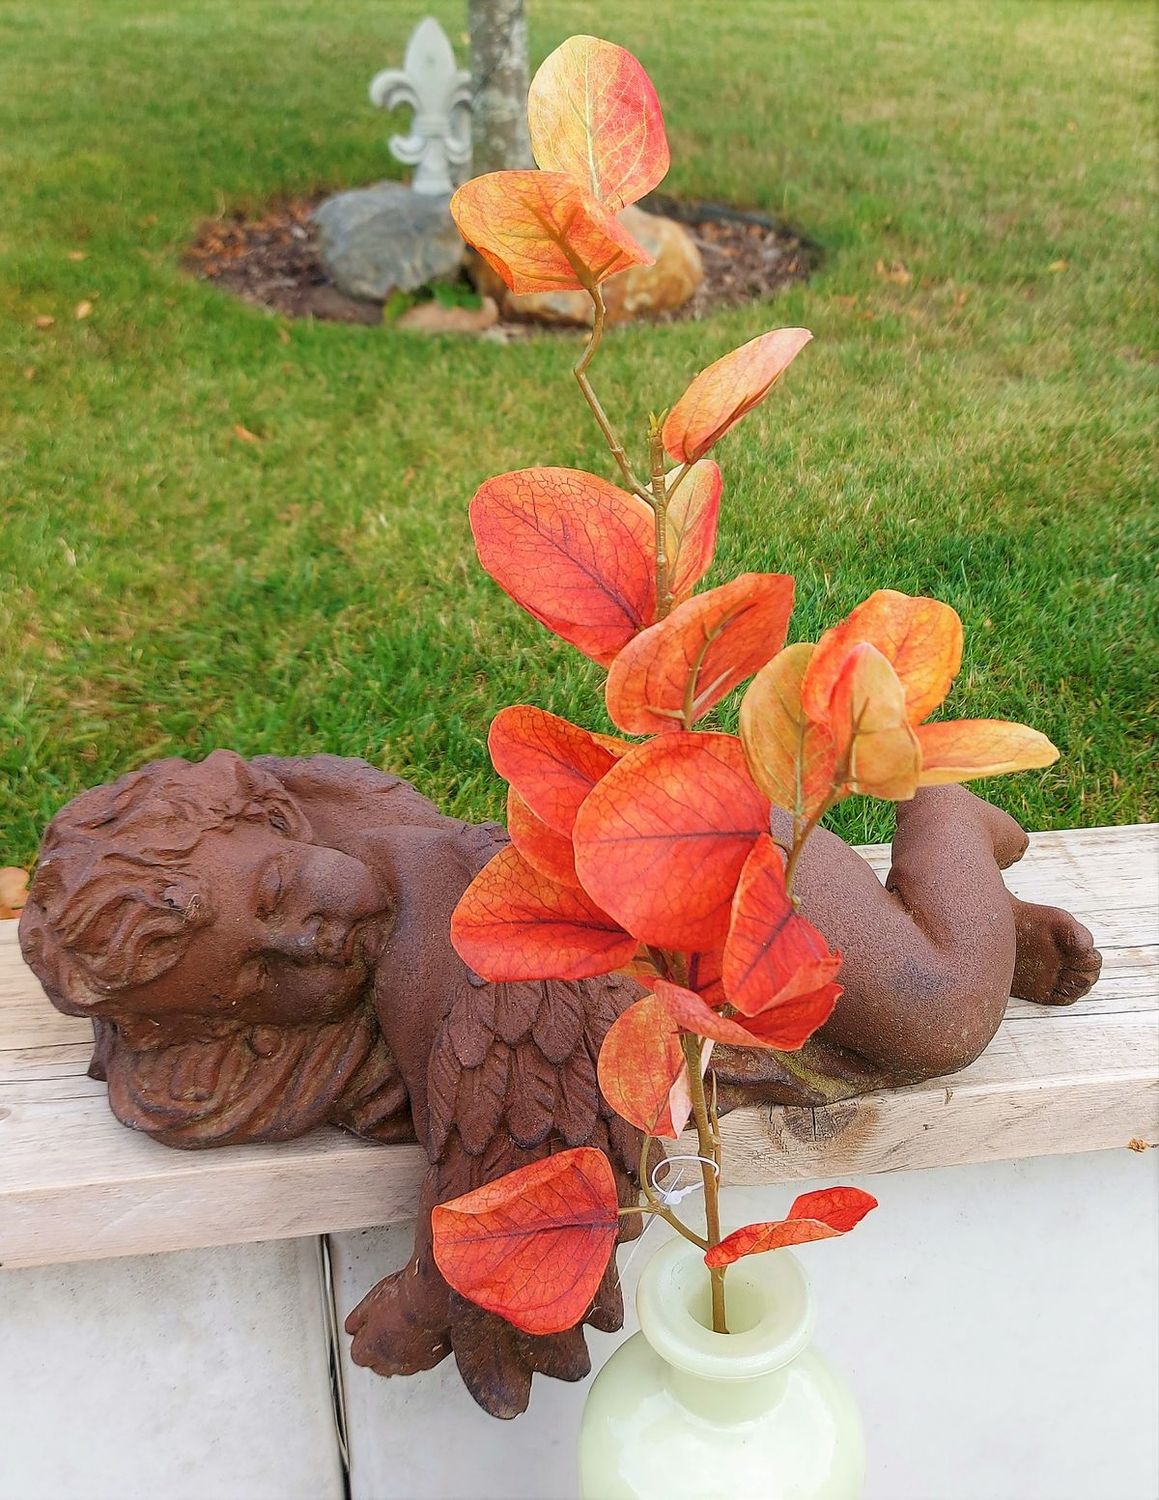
point(273, 260)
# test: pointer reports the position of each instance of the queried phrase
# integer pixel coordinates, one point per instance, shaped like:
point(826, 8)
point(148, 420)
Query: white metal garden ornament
point(439, 91)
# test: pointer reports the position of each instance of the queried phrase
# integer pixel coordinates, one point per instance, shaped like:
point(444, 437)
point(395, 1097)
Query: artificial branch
point(659, 503)
point(708, 1143)
point(579, 370)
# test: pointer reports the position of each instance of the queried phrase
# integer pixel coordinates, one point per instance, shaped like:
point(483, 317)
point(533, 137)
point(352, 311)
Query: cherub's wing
point(512, 1078)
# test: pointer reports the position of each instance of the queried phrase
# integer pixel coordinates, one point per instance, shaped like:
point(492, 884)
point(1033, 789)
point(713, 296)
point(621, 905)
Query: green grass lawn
point(979, 432)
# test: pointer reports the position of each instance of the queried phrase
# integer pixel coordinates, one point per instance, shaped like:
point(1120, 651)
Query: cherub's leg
point(929, 959)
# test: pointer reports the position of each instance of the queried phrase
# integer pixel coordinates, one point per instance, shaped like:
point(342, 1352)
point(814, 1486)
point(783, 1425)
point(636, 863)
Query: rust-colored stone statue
point(263, 947)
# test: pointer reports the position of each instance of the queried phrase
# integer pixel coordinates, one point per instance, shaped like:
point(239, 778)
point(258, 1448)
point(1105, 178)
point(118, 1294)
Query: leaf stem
point(658, 1208)
point(659, 504)
point(580, 372)
point(681, 475)
point(708, 1142)
point(801, 834)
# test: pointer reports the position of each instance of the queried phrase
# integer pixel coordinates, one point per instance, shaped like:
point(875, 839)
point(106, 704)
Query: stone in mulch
point(273, 261)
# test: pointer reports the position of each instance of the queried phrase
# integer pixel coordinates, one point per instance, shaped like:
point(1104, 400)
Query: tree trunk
point(498, 85)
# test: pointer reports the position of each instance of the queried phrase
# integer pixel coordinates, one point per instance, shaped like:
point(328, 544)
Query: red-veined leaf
point(691, 526)
point(664, 835)
point(576, 552)
point(961, 749)
point(671, 674)
point(592, 112)
point(814, 1216)
point(790, 1023)
point(550, 762)
point(705, 975)
point(721, 395)
point(792, 759)
point(543, 231)
point(786, 1026)
point(642, 1072)
point(877, 750)
point(542, 847)
point(920, 638)
point(513, 923)
point(532, 1246)
point(772, 954)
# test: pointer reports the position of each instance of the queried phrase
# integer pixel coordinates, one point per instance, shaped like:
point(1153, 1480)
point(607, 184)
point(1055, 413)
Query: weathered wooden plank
point(1037, 1091)
point(75, 1185)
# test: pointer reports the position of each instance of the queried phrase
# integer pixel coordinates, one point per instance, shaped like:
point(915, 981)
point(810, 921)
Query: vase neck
point(770, 1315)
point(725, 1402)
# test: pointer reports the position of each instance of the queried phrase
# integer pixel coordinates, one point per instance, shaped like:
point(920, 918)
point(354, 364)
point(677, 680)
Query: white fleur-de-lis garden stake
point(439, 92)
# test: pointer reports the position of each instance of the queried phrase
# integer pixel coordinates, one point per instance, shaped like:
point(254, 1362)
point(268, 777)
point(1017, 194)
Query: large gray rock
point(386, 238)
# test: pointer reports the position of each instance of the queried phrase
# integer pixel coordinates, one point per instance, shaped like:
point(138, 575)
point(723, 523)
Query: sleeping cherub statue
point(263, 948)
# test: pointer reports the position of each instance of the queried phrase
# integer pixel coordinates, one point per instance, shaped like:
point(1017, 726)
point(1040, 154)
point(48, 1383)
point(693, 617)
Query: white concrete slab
point(997, 1321)
point(199, 1375)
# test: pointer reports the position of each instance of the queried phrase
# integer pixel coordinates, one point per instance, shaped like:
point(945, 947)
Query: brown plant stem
point(580, 370)
point(654, 1205)
point(708, 1145)
point(659, 502)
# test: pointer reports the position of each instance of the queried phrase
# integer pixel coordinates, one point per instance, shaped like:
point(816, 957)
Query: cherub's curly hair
point(115, 903)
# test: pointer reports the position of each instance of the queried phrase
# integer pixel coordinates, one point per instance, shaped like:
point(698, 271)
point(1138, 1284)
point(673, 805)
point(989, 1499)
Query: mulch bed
point(273, 261)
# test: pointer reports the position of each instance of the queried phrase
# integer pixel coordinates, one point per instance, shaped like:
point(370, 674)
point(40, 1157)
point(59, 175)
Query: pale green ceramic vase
point(682, 1413)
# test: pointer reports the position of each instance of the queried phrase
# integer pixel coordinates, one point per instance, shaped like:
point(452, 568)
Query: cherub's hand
point(403, 1324)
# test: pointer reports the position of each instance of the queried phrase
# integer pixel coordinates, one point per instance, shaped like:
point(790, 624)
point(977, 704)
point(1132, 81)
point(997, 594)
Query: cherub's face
point(295, 933)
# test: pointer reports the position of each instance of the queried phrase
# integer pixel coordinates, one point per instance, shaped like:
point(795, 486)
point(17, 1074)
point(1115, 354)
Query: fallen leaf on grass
point(82, 310)
point(895, 272)
point(77, 255)
point(244, 435)
point(1058, 265)
point(44, 321)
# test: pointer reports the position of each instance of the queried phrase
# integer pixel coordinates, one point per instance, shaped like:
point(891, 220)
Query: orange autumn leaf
point(642, 1071)
point(661, 839)
point(533, 1245)
point(877, 751)
point(514, 923)
point(671, 674)
point(550, 762)
point(572, 550)
point(786, 1027)
point(962, 749)
point(543, 231)
point(814, 1216)
point(542, 847)
point(790, 757)
point(13, 891)
point(691, 526)
point(592, 113)
point(920, 638)
point(772, 954)
point(723, 393)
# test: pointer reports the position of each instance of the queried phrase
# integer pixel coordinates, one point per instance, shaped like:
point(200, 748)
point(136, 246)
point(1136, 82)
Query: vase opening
point(747, 1305)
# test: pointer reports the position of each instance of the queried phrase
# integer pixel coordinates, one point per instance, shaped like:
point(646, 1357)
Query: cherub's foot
point(1057, 961)
point(1010, 838)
